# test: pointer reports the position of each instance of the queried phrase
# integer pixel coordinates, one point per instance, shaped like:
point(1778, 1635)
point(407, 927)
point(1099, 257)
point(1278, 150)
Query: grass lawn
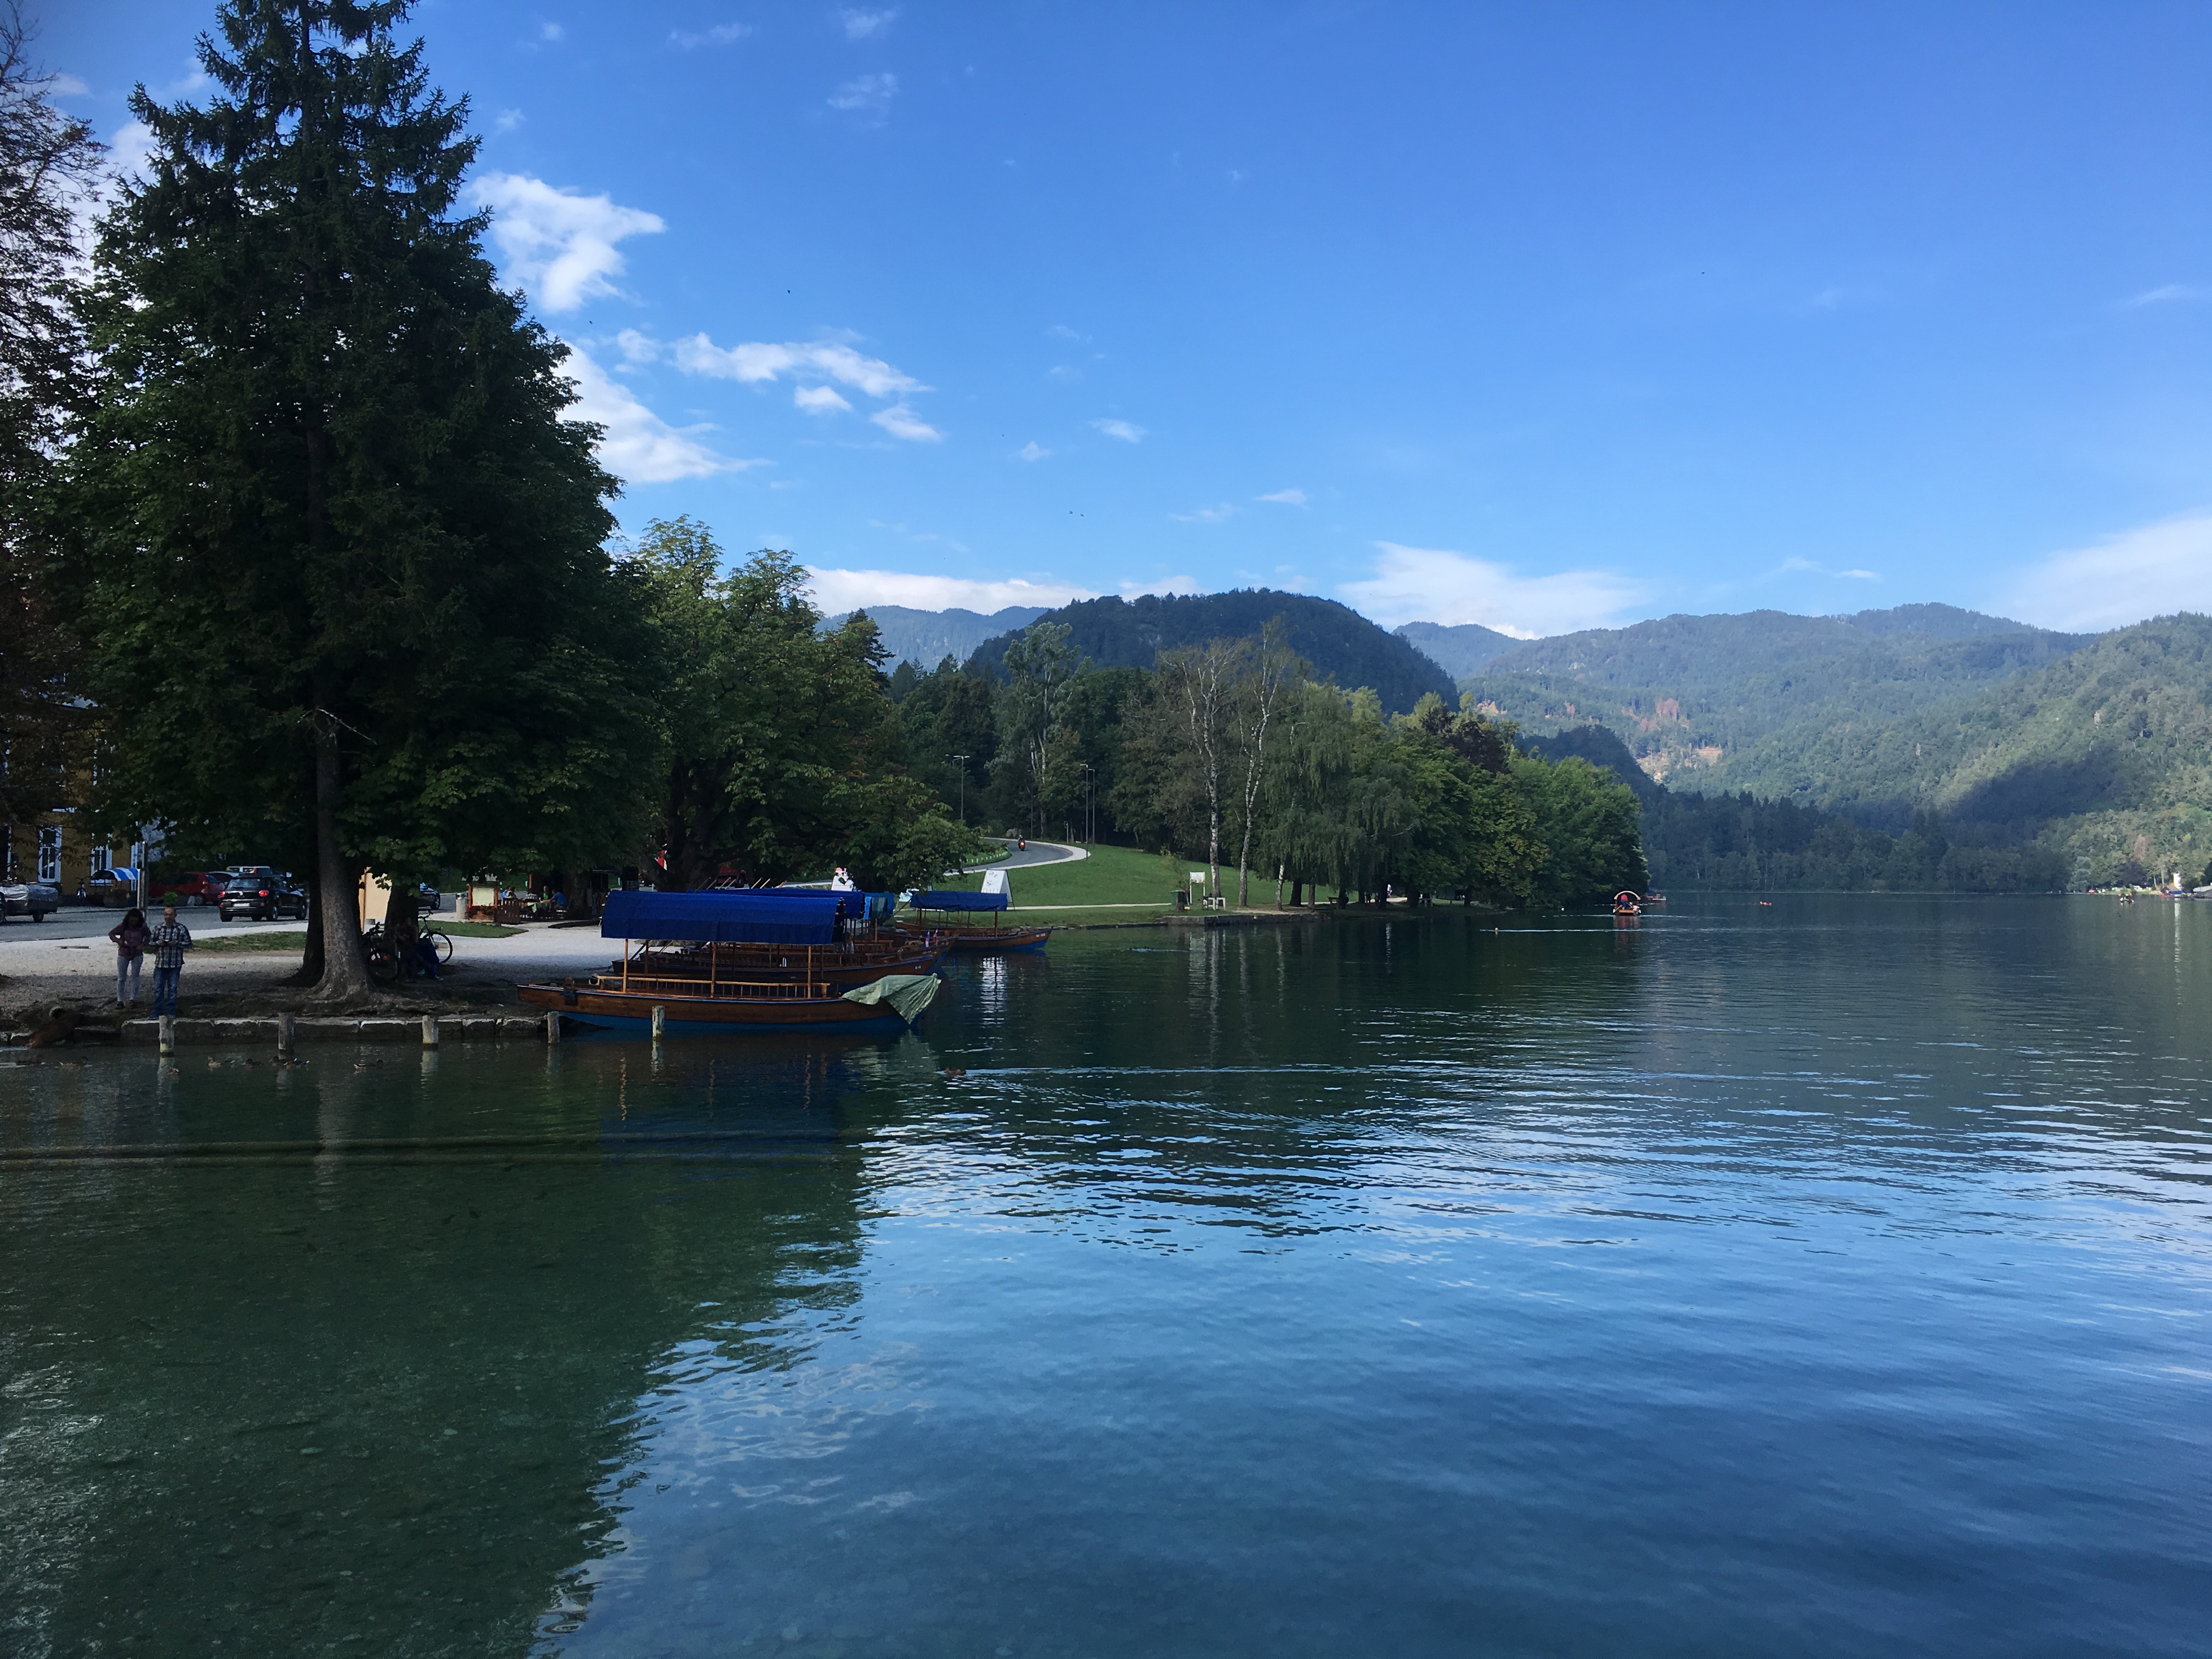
point(1111, 875)
point(470, 929)
point(238, 943)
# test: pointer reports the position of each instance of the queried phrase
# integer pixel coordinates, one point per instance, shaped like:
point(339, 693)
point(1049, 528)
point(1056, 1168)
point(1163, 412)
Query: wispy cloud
point(637, 446)
point(1127, 431)
point(1062, 331)
point(1796, 567)
point(1206, 514)
point(1420, 584)
point(866, 94)
point(507, 120)
point(1287, 497)
point(1130, 587)
point(903, 422)
point(757, 361)
point(838, 591)
point(549, 33)
point(862, 25)
point(722, 34)
point(66, 86)
point(2167, 293)
point(559, 243)
point(1033, 451)
point(2153, 570)
point(818, 399)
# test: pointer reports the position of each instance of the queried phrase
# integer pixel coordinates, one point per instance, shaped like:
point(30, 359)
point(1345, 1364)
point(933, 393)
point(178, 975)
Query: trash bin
point(1182, 898)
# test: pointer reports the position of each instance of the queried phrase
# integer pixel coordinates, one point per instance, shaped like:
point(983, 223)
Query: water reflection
point(1388, 1286)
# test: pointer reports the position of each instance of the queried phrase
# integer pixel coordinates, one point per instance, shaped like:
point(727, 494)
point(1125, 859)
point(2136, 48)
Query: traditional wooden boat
point(934, 908)
point(1627, 902)
point(848, 962)
point(808, 925)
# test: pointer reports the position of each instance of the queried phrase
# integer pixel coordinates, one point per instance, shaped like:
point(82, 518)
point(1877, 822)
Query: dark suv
point(266, 897)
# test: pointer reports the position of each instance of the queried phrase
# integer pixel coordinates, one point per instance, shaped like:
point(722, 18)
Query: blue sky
point(1540, 317)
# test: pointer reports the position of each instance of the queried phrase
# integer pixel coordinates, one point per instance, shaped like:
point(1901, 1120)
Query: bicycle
point(383, 964)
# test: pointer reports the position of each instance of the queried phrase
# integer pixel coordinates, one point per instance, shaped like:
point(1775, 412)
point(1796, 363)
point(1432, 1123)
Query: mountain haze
point(925, 638)
point(1461, 649)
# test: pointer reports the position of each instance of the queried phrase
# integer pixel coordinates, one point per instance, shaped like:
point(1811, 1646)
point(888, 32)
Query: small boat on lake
point(941, 905)
point(813, 930)
point(1627, 902)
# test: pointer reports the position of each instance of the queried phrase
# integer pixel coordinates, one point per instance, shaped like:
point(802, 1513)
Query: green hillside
point(2105, 756)
point(1336, 640)
point(1691, 695)
point(1461, 649)
point(925, 638)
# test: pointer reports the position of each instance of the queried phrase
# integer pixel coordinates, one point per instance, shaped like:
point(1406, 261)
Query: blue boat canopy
point(943, 899)
point(758, 916)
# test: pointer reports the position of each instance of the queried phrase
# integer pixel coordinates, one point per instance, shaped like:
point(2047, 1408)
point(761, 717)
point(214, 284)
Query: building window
point(50, 854)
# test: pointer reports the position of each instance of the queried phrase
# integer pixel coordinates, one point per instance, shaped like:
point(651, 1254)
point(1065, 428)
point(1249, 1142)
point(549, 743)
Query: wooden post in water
point(168, 1030)
point(284, 1035)
point(429, 1031)
point(659, 1020)
point(552, 1025)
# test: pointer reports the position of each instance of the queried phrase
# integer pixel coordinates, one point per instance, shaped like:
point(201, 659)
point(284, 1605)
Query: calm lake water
point(1830, 1279)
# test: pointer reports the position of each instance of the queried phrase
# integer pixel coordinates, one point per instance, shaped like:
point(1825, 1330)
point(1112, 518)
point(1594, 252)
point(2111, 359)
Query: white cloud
point(638, 446)
point(557, 243)
point(757, 361)
point(1206, 514)
point(839, 592)
point(550, 31)
point(1287, 497)
point(1033, 451)
point(66, 86)
point(1792, 567)
point(1420, 584)
point(722, 34)
point(866, 25)
point(1062, 331)
point(2167, 293)
point(2150, 571)
point(818, 399)
point(1126, 431)
point(903, 422)
point(869, 95)
point(508, 120)
point(1130, 589)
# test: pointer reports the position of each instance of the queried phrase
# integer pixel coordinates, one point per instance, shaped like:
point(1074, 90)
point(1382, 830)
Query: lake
point(1832, 1278)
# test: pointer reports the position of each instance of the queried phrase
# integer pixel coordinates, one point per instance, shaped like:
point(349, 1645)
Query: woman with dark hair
point(132, 936)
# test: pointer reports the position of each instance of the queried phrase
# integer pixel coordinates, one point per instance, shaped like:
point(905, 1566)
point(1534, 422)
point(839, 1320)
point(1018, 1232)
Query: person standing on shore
point(170, 942)
point(131, 937)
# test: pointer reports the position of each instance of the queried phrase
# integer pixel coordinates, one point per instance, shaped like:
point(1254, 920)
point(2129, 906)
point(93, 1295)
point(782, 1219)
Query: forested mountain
point(925, 638)
point(1336, 641)
point(2105, 756)
point(1461, 649)
point(1739, 842)
point(1691, 695)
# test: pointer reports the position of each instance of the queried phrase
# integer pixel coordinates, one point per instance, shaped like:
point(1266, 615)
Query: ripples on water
point(1824, 1278)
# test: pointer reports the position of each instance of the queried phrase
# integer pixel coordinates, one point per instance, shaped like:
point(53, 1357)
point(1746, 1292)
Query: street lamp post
point(963, 759)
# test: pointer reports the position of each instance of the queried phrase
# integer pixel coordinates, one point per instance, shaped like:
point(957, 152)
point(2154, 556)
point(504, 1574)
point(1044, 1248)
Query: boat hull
point(690, 1016)
point(792, 965)
point(993, 941)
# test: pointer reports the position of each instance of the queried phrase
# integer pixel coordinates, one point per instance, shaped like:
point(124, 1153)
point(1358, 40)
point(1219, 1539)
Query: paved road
point(1038, 852)
point(92, 921)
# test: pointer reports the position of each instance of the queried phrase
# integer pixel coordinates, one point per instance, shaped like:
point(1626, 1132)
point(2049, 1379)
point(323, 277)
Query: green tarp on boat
point(908, 992)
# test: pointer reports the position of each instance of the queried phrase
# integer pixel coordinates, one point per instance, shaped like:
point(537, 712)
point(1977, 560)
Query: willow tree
point(339, 557)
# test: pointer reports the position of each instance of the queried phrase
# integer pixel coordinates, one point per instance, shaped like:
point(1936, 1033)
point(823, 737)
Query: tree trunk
point(311, 959)
point(402, 926)
point(345, 967)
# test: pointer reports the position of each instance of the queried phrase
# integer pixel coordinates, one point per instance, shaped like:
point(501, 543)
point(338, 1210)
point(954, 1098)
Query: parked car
point(34, 899)
point(262, 899)
point(205, 886)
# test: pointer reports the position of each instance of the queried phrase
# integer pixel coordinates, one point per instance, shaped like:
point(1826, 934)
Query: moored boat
point(936, 908)
point(801, 927)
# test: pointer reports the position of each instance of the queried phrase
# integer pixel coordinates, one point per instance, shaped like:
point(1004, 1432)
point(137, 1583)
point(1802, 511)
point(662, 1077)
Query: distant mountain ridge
point(1336, 640)
point(1698, 695)
point(925, 638)
point(1459, 649)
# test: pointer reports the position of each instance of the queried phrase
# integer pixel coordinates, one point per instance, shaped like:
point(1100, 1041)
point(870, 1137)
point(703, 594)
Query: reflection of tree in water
point(279, 1398)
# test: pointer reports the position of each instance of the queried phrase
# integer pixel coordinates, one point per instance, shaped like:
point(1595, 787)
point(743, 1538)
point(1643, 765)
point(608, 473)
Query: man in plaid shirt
point(169, 942)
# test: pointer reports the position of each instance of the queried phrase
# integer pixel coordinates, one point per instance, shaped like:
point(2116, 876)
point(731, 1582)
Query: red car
point(205, 886)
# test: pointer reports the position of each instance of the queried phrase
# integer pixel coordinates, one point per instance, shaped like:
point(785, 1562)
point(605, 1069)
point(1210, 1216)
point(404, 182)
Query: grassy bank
point(1136, 883)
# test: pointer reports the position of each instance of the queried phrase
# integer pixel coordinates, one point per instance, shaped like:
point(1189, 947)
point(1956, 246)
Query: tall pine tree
point(340, 564)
